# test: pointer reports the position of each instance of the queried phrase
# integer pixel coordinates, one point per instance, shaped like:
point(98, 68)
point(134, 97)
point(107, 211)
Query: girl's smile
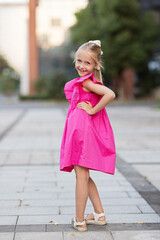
point(84, 63)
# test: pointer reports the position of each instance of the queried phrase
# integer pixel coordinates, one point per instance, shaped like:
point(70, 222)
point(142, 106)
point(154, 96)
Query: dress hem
point(66, 169)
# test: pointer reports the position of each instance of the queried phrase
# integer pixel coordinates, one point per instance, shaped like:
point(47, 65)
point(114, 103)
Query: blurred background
point(38, 39)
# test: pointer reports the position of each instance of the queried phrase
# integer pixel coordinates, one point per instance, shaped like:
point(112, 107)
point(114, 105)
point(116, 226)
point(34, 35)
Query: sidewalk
point(37, 200)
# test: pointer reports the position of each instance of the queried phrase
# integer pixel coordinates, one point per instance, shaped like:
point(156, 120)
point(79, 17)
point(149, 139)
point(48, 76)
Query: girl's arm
point(108, 96)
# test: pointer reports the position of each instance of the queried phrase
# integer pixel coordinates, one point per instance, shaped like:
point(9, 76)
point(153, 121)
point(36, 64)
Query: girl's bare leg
point(82, 177)
point(95, 199)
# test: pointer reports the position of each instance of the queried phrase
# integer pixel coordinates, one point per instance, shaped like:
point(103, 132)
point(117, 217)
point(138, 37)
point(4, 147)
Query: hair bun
point(96, 42)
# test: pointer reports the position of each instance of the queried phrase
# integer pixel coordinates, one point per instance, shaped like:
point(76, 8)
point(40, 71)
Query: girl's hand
point(86, 106)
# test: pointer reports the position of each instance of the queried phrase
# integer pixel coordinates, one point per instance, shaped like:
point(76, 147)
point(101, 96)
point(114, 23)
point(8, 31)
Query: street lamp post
point(33, 48)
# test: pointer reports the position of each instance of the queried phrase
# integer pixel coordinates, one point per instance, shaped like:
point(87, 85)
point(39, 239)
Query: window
point(55, 22)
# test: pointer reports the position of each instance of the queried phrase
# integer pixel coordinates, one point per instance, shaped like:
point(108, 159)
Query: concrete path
point(37, 200)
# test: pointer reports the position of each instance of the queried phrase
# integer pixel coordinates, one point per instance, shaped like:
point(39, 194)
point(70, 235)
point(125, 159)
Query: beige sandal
point(95, 220)
point(76, 224)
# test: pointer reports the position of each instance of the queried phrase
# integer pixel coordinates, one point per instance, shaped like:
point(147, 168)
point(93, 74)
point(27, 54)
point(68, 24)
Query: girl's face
point(84, 63)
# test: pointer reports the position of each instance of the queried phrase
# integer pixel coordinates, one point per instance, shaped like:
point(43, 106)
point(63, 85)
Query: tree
point(128, 37)
point(3, 64)
point(9, 78)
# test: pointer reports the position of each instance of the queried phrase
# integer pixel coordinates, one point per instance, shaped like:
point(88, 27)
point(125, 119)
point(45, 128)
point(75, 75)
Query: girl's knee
point(81, 172)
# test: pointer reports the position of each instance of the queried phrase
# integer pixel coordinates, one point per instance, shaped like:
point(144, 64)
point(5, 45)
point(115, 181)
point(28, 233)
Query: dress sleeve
point(90, 76)
point(71, 88)
point(68, 89)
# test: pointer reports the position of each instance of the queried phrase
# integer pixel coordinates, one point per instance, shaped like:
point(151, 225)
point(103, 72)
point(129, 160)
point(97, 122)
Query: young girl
point(88, 141)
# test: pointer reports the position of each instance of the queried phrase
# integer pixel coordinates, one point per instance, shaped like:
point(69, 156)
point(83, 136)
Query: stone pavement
point(37, 200)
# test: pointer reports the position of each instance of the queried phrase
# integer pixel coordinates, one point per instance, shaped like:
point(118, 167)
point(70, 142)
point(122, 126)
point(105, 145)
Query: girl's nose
point(82, 65)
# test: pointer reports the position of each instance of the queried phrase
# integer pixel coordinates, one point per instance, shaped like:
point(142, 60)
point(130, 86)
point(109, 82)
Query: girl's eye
point(88, 63)
point(78, 60)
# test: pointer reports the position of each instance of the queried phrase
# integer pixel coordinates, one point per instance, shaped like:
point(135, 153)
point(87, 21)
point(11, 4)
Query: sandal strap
point(78, 223)
point(97, 216)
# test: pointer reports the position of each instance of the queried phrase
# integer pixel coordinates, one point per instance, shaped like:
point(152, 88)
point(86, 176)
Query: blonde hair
point(94, 47)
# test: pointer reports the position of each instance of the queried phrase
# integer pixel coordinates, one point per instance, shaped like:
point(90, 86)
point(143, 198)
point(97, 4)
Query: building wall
point(13, 34)
point(54, 17)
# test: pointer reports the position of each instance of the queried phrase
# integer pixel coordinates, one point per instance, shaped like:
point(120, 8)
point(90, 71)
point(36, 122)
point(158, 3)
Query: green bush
point(9, 78)
point(33, 97)
point(51, 86)
point(9, 82)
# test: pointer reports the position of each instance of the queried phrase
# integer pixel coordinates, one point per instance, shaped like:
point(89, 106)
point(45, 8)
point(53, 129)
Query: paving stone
point(47, 179)
point(44, 190)
point(71, 201)
point(100, 184)
point(27, 210)
point(9, 203)
point(6, 236)
point(70, 189)
point(16, 161)
point(20, 144)
point(124, 201)
point(9, 116)
point(17, 158)
point(138, 235)
point(134, 194)
point(117, 188)
point(19, 155)
point(59, 228)
point(146, 209)
point(108, 210)
point(43, 184)
point(2, 162)
point(35, 140)
point(45, 172)
point(8, 220)
point(28, 195)
point(88, 235)
point(139, 182)
point(45, 219)
point(106, 183)
point(31, 228)
point(153, 199)
point(104, 176)
point(148, 169)
point(142, 156)
point(56, 156)
point(132, 226)
point(49, 202)
point(11, 190)
point(41, 158)
point(14, 170)
point(42, 154)
point(39, 236)
point(14, 180)
point(133, 218)
point(101, 193)
point(124, 183)
point(3, 155)
point(10, 184)
point(111, 218)
point(41, 161)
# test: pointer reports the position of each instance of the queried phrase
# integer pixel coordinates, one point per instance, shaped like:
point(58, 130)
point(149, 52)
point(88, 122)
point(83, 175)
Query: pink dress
point(88, 140)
